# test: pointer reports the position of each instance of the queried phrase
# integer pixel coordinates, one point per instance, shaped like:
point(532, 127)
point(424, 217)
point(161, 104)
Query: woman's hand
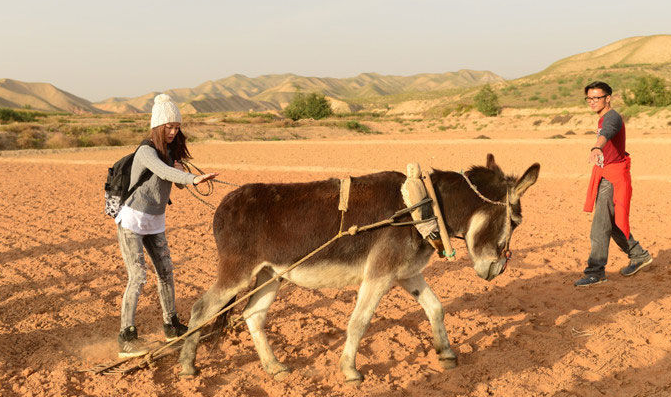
point(205, 177)
point(179, 166)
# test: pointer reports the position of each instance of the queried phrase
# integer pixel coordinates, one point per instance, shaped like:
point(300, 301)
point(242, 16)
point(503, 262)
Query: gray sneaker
point(636, 266)
point(130, 345)
point(590, 280)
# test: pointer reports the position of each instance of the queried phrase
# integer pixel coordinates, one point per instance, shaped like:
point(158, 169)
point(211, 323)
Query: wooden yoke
point(343, 204)
point(450, 253)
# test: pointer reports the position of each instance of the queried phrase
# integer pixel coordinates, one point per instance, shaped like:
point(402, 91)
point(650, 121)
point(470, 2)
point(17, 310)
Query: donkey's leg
point(368, 297)
point(204, 309)
point(255, 317)
point(418, 288)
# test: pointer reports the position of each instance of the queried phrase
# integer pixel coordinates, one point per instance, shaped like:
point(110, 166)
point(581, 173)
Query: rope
point(210, 184)
point(475, 189)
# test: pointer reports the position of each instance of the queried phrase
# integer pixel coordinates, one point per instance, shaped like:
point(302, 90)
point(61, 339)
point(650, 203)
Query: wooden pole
point(450, 253)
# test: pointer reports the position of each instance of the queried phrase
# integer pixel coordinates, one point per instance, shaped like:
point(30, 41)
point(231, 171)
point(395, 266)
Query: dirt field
point(529, 332)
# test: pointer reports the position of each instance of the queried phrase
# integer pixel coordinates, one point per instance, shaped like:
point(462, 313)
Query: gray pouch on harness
point(413, 191)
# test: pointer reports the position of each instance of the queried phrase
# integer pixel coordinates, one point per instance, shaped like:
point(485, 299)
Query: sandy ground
point(529, 332)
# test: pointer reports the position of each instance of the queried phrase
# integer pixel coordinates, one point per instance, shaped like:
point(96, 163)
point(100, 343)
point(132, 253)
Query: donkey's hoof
point(448, 363)
point(353, 378)
point(277, 370)
point(354, 382)
point(188, 371)
point(281, 375)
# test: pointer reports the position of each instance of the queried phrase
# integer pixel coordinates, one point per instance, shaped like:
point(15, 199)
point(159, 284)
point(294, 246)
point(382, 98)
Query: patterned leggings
point(133, 256)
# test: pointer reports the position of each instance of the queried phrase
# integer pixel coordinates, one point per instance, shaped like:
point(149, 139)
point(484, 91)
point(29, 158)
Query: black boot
point(175, 329)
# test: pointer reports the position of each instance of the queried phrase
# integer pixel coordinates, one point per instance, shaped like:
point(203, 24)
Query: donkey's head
point(491, 223)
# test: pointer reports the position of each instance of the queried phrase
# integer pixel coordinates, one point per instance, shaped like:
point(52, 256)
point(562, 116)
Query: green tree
point(487, 102)
point(306, 106)
point(648, 91)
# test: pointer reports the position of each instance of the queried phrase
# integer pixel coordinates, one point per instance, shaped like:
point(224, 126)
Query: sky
point(97, 50)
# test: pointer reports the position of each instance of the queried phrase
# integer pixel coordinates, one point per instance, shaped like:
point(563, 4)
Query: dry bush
point(60, 141)
point(7, 140)
point(32, 137)
point(561, 119)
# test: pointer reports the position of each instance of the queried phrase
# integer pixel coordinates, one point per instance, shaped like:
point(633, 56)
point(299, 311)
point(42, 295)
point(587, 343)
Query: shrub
point(304, 106)
point(563, 91)
point(358, 127)
point(482, 137)
point(648, 91)
point(487, 102)
point(631, 111)
point(7, 115)
point(462, 108)
point(263, 117)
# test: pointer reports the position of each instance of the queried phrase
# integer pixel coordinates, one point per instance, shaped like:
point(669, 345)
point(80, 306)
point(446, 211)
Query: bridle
point(509, 212)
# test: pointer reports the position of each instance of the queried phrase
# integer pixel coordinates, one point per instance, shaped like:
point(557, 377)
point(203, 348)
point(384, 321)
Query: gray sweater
point(153, 195)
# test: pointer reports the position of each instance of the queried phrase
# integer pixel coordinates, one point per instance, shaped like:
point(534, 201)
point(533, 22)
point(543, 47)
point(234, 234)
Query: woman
point(141, 221)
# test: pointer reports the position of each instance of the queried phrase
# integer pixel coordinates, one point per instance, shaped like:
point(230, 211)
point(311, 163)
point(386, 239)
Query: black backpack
point(117, 186)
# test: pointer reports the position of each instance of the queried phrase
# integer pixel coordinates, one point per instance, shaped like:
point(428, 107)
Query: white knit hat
point(164, 111)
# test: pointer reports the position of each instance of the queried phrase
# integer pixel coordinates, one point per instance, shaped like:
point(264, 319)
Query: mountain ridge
point(238, 92)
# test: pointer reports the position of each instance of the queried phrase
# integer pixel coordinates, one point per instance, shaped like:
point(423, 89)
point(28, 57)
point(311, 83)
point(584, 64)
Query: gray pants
point(133, 256)
point(603, 229)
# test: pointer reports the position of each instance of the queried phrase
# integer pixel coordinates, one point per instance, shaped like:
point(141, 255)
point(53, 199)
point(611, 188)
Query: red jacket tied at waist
point(620, 176)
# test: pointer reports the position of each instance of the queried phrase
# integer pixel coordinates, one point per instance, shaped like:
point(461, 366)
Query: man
point(609, 191)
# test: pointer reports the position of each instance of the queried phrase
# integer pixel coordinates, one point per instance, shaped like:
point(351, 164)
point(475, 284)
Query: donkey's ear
point(529, 178)
point(491, 163)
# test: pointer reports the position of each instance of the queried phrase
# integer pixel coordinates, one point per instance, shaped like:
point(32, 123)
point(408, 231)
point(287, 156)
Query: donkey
point(261, 229)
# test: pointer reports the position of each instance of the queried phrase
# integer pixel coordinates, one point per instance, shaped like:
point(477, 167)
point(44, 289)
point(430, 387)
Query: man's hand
point(596, 157)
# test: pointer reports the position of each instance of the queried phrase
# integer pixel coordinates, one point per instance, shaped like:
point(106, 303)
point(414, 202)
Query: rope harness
point(166, 349)
point(508, 252)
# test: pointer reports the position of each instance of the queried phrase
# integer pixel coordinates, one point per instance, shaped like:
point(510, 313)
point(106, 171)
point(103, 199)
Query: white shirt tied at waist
point(140, 222)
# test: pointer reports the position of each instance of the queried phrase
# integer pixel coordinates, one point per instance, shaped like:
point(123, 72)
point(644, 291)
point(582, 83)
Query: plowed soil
point(529, 332)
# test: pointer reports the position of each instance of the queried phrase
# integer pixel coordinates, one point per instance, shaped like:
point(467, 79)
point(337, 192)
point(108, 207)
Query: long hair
point(177, 148)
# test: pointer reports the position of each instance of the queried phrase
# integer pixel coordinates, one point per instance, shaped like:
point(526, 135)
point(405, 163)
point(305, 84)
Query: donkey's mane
point(493, 184)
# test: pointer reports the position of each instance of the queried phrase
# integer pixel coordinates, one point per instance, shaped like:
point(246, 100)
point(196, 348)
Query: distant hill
point(42, 96)
point(640, 50)
point(273, 92)
point(561, 84)
point(619, 64)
